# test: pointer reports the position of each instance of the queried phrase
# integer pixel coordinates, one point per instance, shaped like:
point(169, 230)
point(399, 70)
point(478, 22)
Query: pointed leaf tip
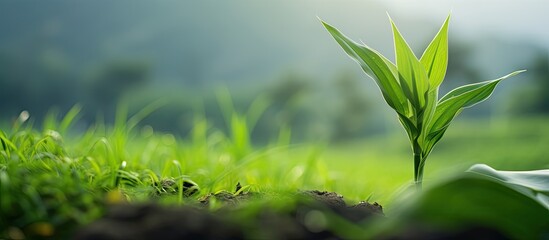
point(435, 57)
point(451, 104)
point(514, 73)
point(382, 71)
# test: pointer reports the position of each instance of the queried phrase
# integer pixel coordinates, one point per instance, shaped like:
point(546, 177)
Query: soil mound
point(305, 219)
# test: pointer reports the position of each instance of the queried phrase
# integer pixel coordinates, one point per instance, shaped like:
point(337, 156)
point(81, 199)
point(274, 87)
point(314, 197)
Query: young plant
point(411, 85)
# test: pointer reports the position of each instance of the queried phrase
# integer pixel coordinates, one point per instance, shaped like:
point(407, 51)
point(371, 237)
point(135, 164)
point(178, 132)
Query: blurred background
point(55, 54)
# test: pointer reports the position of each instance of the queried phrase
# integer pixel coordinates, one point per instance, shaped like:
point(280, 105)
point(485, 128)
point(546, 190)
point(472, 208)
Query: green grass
point(59, 180)
point(54, 180)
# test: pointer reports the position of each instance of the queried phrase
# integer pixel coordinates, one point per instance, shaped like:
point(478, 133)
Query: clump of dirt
point(169, 186)
point(306, 218)
point(353, 213)
point(331, 199)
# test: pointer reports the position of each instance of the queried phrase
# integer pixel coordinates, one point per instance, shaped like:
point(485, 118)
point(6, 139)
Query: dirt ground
point(306, 218)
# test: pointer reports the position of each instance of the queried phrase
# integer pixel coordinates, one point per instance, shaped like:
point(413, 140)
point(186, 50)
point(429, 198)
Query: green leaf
point(432, 139)
point(469, 200)
point(460, 98)
point(466, 88)
point(435, 57)
point(377, 67)
point(463, 89)
point(428, 112)
point(531, 183)
point(412, 75)
point(453, 103)
point(409, 126)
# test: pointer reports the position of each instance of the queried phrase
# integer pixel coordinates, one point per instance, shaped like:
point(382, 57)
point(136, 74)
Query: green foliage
point(411, 87)
point(41, 187)
point(60, 183)
point(513, 203)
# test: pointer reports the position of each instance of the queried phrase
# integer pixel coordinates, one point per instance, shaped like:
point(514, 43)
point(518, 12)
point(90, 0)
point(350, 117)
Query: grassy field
point(57, 179)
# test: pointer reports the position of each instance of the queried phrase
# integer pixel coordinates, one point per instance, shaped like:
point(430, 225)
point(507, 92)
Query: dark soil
point(416, 232)
point(304, 219)
point(302, 216)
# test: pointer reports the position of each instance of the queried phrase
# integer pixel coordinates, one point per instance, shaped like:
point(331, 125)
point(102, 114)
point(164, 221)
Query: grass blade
point(226, 104)
point(145, 112)
point(70, 118)
point(256, 110)
point(121, 115)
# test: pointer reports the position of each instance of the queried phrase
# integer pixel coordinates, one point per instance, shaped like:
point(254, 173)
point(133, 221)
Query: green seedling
point(411, 86)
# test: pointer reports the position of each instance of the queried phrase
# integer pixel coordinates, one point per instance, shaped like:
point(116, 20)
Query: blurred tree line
point(533, 98)
point(39, 84)
point(339, 109)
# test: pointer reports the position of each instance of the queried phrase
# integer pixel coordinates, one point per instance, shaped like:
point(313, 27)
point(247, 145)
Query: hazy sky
point(524, 19)
point(250, 39)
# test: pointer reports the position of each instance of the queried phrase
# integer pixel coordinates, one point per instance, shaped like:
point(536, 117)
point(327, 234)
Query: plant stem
point(418, 166)
point(418, 173)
